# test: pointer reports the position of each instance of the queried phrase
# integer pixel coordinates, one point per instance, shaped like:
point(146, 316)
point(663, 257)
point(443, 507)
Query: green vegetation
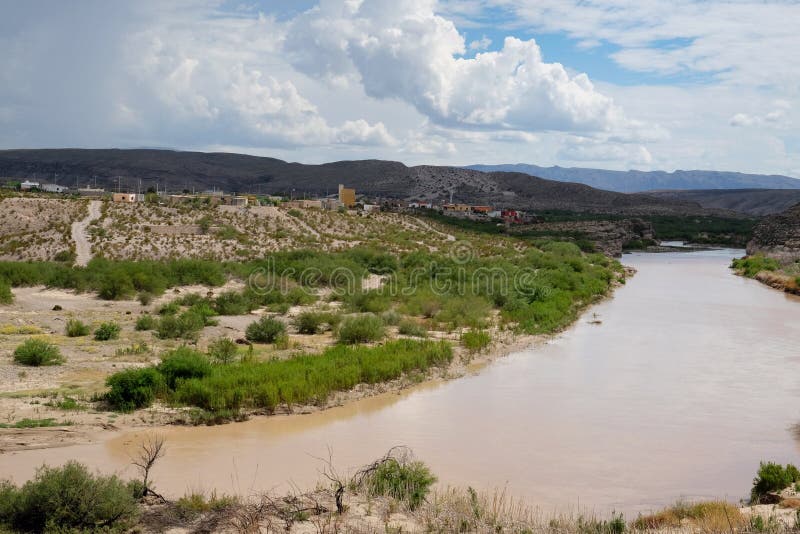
point(772, 477)
point(750, 266)
point(145, 322)
point(68, 499)
point(223, 350)
point(134, 388)
point(36, 352)
point(365, 328)
point(315, 322)
point(412, 328)
point(265, 330)
point(35, 423)
point(6, 296)
point(708, 516)
point(475, 340)
point(77, 328)
point(107, 331)
point(186, 377)
point(406, 481)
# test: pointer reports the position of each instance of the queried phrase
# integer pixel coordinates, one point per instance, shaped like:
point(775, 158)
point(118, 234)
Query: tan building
point(347, 196)
point(124, 197)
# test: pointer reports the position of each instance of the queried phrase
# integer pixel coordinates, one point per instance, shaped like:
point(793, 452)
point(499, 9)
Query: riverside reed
point(188, 378)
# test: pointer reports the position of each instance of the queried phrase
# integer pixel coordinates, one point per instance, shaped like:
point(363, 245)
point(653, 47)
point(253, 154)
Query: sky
point(616, 84)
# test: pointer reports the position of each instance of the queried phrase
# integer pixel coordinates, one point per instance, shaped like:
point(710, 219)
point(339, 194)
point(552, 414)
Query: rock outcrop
point(778, 236)
point(609, 237)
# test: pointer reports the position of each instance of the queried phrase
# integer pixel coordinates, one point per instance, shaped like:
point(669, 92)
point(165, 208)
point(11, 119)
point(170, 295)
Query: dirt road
point(83, 249)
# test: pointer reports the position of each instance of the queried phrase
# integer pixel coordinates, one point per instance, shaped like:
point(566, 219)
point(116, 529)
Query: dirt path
point(83, 249)
point(448, 237)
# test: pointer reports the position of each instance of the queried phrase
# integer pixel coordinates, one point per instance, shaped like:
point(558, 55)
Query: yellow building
point(124, 197)
point(347, 196)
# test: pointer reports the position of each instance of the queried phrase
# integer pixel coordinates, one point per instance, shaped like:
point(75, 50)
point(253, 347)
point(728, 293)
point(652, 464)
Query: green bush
point(412, 328)
point(476, 340)
point(223, 350)
point(145, 322)
point(6, 296)
point(391, 318)
point(170, 308)
point(76, 328)
point(68, 499)
point(406, 481)
point(309, 322)
point(752, 265)
point(134, 388)
point(373, 301)
point(464, 311)
point(361, 329)
point(233, 303)
point(183, 363)
point(145, 298)
point(186, 325)
point(116, 285)
point(107, 331)
point(265, 330)
point(772, 477)
point(37, 352)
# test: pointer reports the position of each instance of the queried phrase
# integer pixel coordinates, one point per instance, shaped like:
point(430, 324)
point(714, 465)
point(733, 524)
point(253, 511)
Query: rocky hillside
point(243, 173)
point(756, 202)
point(778, 236)
point(637, 181)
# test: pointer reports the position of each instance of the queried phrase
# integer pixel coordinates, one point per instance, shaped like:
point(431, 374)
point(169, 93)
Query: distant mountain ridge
point(377, 178)
point(642, 181)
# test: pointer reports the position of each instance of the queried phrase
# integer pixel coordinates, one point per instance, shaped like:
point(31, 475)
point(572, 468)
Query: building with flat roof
point(347, 196)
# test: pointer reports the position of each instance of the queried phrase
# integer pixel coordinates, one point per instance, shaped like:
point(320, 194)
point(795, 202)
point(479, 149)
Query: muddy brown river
point(690, 379)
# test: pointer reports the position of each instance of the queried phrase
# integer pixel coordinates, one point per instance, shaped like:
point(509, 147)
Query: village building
point(124, 197)
point(347, 196)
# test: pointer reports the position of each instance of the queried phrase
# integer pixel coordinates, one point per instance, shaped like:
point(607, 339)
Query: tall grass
point(36, 352)
point(750, 266)
point(186, 378)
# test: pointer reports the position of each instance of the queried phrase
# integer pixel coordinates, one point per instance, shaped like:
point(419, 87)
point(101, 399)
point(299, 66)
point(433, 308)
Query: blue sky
point(615, 84)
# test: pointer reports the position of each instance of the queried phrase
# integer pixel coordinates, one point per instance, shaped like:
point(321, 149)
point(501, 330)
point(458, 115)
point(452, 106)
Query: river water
point(691, 377)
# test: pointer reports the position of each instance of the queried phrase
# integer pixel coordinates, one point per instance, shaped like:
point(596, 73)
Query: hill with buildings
point(638, 181)
point(178, 171)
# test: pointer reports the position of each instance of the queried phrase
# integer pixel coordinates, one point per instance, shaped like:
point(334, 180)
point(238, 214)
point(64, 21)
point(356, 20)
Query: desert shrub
point(223, 350)
point(464, 311)
point(406, 481)
point(314, 322)
point(134, 388)
point(37, 352)
point(391, 318)
point(186, 325)
point(707, 516)
point(170, 308)
point(116, 285)
point(412, 328)
point(205, 311)
point(423, 303)
point(298, 296)
point(145, 322)
point(752, 265)
point(361, 329)
point(372, 301)
point(183, 363)
point(145, 298)
point(107, 331)
point(77, 328)
point(475, 340)
point(6, 296)
point(233, 303)
point(772, 477)
point(68, 499)
point(265, 330)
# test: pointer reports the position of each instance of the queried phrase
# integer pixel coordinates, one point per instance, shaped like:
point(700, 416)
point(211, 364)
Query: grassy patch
point(107, 331)
point(77, 328)
point(750, 266)
point(365, 328)
point(412, 328)
point(38, 352)
point(186, 378)
point(476, 340)
point(708, 516)
point(35, 423)
point(265, 330)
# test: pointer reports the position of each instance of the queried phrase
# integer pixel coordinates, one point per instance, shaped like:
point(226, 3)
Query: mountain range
point(639, 181)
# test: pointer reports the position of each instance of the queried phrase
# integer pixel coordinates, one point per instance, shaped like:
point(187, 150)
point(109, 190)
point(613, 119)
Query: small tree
point(148, 454)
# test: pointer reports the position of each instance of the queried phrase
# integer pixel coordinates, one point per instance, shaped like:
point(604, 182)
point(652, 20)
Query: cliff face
point(778, 236)
point(609, 237)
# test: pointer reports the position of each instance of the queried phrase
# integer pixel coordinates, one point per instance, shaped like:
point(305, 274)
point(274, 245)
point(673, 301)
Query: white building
point(54, 188)
point(27, 186)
